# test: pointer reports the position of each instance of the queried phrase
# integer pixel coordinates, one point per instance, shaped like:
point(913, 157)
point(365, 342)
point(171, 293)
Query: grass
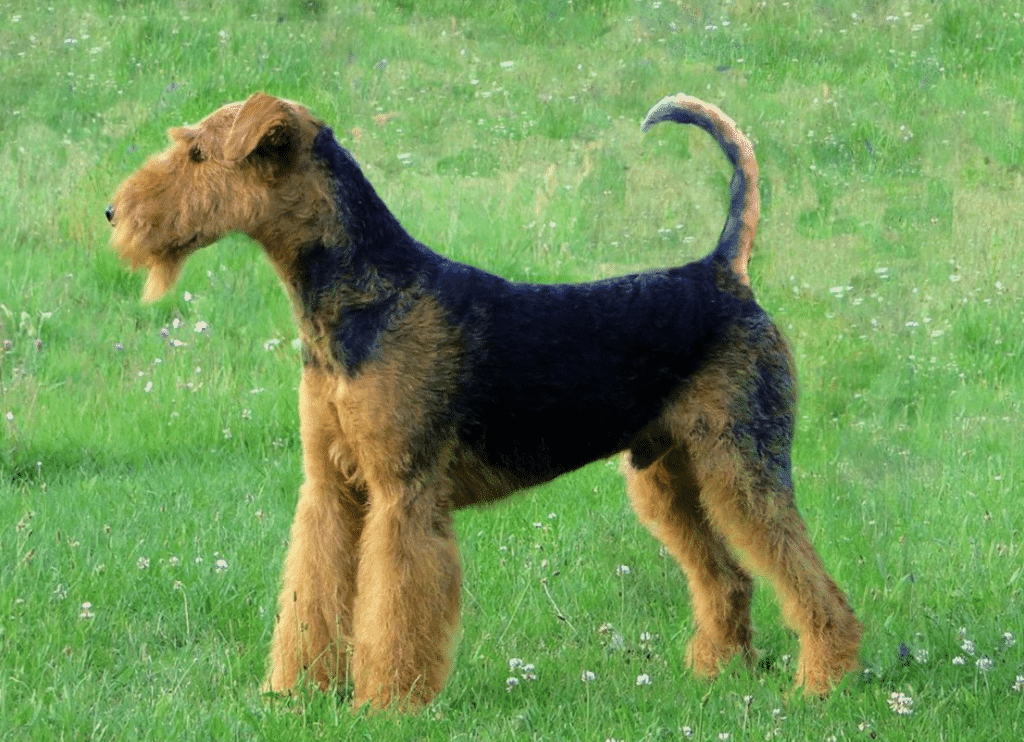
point(149, 470)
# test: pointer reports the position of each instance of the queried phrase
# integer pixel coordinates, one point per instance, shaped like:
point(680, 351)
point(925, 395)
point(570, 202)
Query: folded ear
point(265, 125)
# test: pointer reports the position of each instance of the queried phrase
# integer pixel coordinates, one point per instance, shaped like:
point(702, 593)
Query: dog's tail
point(737, 238)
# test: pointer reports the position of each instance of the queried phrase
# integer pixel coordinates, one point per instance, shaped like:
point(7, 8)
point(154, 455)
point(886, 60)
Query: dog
point(429, 385)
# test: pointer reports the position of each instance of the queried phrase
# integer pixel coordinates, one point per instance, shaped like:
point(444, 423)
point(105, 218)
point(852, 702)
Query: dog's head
point(234, 171)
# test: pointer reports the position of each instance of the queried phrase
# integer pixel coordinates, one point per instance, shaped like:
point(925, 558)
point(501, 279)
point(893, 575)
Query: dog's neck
point(355, 260)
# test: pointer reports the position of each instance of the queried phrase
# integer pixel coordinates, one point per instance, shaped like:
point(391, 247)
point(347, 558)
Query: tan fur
point(371, 584)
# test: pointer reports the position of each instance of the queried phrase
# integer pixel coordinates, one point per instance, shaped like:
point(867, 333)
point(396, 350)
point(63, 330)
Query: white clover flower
point(142, 563)
point(86, 611)
point(901, 703)
point(200, 326)
point(221, 565)
point(174, 561)
point(643, 679)
point(984, 664)
point(623, 570)
point(588, 677)
point(515, 663)
point(1018, 684)
point(511, 683)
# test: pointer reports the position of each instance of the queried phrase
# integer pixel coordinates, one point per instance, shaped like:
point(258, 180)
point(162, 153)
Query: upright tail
point(737, 238)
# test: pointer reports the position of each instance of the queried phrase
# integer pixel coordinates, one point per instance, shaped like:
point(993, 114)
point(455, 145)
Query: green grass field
point(149, 466)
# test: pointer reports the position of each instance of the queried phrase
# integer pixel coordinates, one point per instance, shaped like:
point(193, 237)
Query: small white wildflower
point(187, 296)
point(10, 417)
point(149, 387)
point(515, 663)
point(142, 563)
point(921, 655)
point(175, 343)
point(643, 679)
point(955, 278)
point(221, 565)
point(1008, 640)
point(724, 735)
point(623, 570)
point(507, 65)
point(511, 683)
point(529, 672)
point(174, 561)
point(86, 611)
point(901, 703)
point(588, 677)
point(958, 660)
point(967, 646)
point(200, 326)
point(271, 344)
point(177, 585)
point(1018, 684)
point(687, 731)
point(984, 664)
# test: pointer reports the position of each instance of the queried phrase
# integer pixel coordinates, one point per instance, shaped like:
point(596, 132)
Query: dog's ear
point(267, 127)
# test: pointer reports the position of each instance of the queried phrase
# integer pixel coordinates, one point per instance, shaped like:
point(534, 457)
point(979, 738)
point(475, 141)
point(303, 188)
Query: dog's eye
point(195, 154)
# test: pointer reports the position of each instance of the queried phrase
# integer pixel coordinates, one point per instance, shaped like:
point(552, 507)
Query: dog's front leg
point(407, 604)
point(314, 621)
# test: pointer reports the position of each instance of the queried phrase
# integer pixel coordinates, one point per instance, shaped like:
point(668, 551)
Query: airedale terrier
point(429, 385)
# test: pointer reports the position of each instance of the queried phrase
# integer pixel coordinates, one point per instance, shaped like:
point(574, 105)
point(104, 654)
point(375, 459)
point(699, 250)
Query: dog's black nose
point(110, 214)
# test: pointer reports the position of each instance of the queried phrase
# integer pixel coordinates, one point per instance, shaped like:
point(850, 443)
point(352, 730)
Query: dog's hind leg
point(738, 424)
point(761, 521)
point(666, 497)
